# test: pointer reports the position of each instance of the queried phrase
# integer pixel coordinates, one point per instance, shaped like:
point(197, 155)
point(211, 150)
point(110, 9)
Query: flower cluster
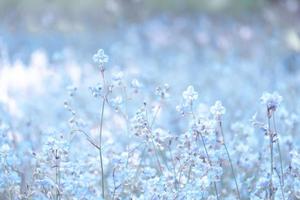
point(217, 109)
point(271, 100)
point(190, 95)
point(129, 143)
point(100, 58)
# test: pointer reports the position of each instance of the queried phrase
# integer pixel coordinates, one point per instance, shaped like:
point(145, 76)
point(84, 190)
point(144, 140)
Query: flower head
point(135, 85)
point(271, 100)
point(163, 92)
point(218, 109)
point(190, 94)
point(100, 57)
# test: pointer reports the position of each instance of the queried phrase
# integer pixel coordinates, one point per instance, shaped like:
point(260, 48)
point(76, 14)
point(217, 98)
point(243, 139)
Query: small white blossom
point(100, 57)
point(190, 94)
point(271, 100)
point(118, 100)
point(117, 78)
point(218, 109)
point(163, 91)
point(96, 90)
point(180, 109)
point(136, 84)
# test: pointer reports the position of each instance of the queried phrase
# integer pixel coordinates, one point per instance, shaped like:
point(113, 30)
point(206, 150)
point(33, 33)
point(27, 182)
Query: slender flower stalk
point(279, 151)
point(209, 161)
point(218, 110)
point(152, 141)
point(272, 101)
point(281, 177)
point(230, 161)
point(100, 149)
point(57, 174)
point(101, 58)
point(271, 189)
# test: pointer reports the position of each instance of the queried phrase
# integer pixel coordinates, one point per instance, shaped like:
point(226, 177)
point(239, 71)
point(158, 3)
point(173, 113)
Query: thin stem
point(271, 160)
point(281, 186)
point(57, 174)
point(101, 130)
point(174, 166)
point(209, 161)
point(229, 158)
point(156, 156)
point(100, 149)
point(280, 158)
point(90, 140)
point(155, 116)
point(153, 144)
point(279, 151)
point(140, 164)
point(115, 187)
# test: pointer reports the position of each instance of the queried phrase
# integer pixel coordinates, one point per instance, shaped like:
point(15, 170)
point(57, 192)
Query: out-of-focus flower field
point(150, 100)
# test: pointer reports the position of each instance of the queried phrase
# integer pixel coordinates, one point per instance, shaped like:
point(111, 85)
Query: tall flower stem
point(100, 134)
point(280, 157)
point(101, 58)
point(209, 161)
point(100, 149)
point(57, 174)
point(271, 159)
point(156, 151)
point(229, 158)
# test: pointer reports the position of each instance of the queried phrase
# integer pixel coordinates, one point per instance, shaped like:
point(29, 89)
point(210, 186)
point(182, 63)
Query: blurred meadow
point(149, 99)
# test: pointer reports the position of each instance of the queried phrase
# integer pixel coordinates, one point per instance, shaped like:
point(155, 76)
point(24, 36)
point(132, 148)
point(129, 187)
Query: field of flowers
point(187, 107)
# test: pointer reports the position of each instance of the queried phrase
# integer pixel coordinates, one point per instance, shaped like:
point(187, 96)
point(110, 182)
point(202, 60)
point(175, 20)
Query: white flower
point(218, 109)
point(136, 84)
point(190, 94)
point(4, 148)
point(180, 109)
point(118, 76)
point(117, 101)
point(100, 57)
point(163, 91)
point(271, 100)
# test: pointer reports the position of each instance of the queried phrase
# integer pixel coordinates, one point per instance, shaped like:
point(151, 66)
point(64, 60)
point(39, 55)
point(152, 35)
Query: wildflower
point(180, 109)
point(117, 78)
point(100, 57)
point(117, 102)
point(190, 94)
point(140, 125)
point(163, 92)
point(136, 85)
point(96, 90)
point(218, 109)
point(271, 100)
